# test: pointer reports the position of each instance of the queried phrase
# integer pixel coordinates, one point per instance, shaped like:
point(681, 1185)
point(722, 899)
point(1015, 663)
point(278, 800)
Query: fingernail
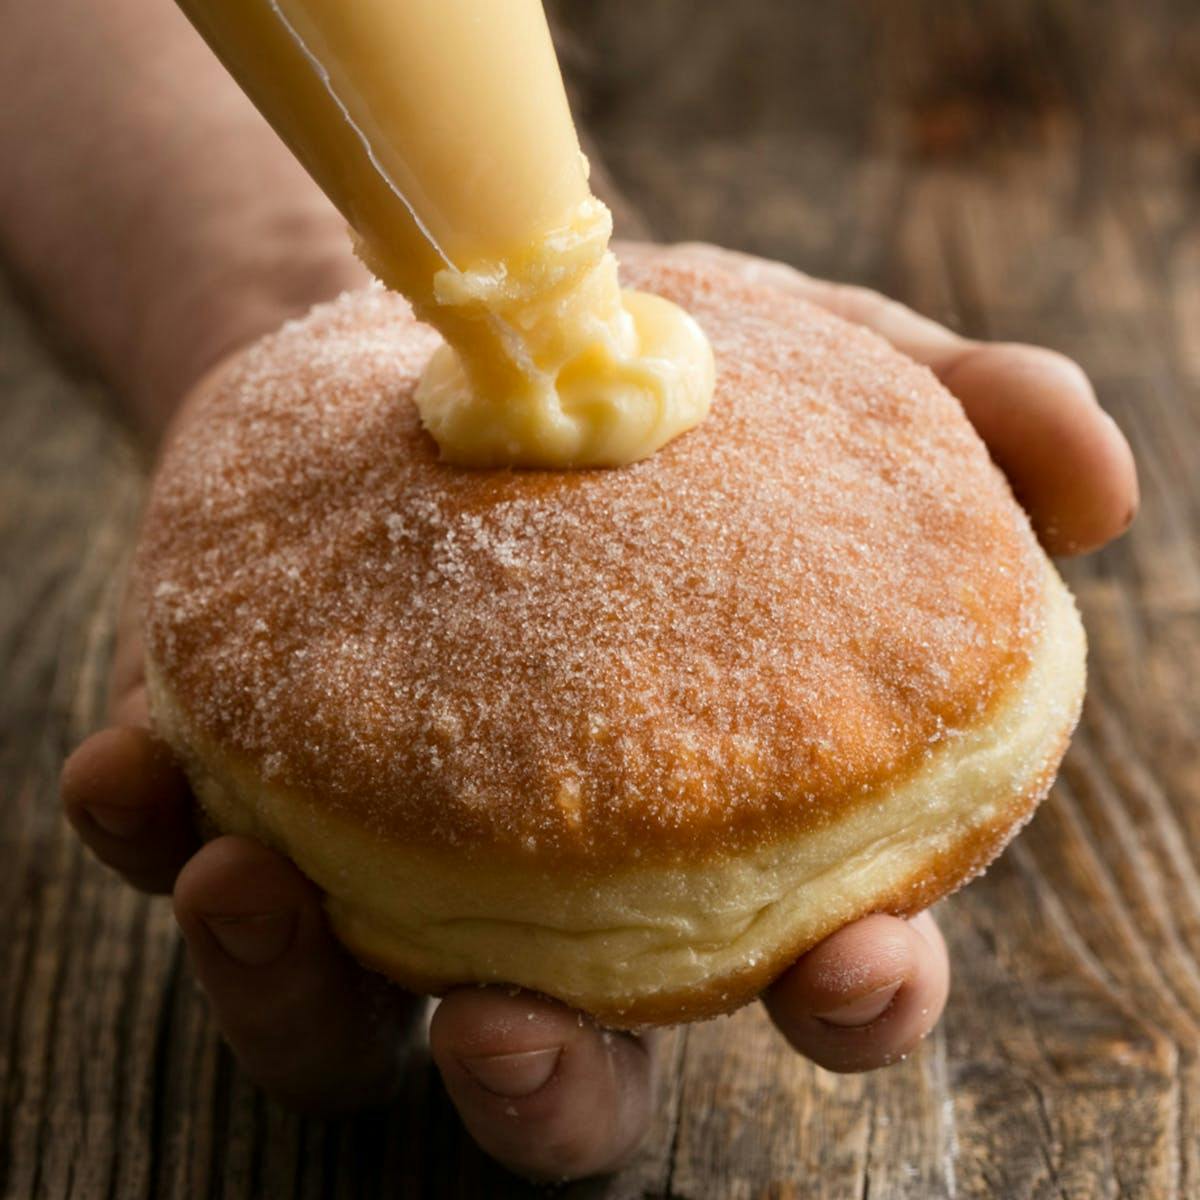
point(513, 1075)
point(253, 940)
point(120, 820)
point(864, 1009)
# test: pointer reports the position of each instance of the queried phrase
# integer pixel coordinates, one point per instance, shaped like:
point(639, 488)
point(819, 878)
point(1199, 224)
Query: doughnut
point(632, 738)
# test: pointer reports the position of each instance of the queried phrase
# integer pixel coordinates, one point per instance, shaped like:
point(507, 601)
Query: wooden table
point(1019, 170)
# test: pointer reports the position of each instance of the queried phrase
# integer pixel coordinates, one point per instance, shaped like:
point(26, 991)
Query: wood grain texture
point(1020, 170)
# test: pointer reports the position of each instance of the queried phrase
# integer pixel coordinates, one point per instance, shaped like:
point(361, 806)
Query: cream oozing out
point(548, 363)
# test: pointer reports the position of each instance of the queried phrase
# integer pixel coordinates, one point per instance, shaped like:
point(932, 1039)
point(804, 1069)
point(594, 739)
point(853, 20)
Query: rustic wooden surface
point(1020, 170)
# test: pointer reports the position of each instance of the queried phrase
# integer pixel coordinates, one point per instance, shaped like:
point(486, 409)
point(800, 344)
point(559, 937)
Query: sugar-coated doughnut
point(634, 738)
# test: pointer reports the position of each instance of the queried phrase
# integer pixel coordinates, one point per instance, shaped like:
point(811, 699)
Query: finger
point(307, 1024)
point(127, 674)
point(540, 1088)
point(129, 802)
point(131, 707)
point(866, 996)
point(1068, 463)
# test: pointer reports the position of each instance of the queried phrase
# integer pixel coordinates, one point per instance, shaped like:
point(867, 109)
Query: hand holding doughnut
point(492, 1056)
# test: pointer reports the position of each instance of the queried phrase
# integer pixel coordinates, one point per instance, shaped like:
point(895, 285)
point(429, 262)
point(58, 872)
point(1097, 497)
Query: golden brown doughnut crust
point(645, 943)
point(724, 644)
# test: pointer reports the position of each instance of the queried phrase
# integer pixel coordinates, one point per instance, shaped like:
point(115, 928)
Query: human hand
point(541, 1091)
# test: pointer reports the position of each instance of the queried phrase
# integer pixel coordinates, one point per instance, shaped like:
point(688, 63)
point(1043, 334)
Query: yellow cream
point(440, 129)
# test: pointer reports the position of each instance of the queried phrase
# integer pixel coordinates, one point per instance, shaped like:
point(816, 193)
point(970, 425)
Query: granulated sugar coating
point(745, 632)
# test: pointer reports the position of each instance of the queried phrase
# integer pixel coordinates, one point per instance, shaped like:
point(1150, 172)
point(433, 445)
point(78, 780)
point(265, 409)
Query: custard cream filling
point(548, 363)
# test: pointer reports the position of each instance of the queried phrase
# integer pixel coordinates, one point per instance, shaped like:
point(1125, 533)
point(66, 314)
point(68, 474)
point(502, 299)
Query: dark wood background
point(1027, 169)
